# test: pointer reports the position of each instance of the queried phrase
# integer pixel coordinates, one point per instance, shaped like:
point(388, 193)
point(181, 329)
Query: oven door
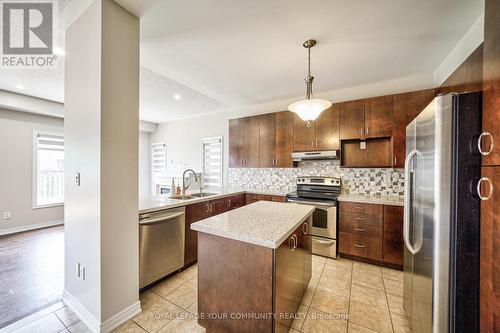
point(324, 218)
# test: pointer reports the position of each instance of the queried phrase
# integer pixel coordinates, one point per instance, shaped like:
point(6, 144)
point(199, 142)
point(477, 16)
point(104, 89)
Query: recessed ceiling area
point(222, 54)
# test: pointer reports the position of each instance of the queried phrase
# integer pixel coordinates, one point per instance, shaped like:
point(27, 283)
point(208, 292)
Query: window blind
point(50, 142)
point(212, 162)
point(159, 162)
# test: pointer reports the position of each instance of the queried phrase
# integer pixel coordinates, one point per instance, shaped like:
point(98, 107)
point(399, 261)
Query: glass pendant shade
point(309, 109)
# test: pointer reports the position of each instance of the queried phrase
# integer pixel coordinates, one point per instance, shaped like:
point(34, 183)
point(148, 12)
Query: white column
point(101, 144)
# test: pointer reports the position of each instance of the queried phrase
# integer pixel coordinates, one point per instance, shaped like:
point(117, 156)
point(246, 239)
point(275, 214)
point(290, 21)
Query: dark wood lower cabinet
point(200, 211)
point(393, 251)
point(240, 278)
point(372, 233)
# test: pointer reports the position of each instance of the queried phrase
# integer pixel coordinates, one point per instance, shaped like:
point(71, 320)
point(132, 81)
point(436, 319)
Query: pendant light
point(310, 108)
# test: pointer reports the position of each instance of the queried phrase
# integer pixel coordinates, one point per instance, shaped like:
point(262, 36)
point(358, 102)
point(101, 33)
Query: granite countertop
point(372, 199)
point(157, 202)
point(262, 223)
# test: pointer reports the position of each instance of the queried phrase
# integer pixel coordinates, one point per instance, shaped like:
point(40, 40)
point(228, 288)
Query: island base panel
point(234, 279)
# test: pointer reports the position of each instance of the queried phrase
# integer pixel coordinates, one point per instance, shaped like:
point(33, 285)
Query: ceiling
point(222, 54)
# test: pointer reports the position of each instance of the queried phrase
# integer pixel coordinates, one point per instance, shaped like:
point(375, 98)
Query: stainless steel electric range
point(321, 192)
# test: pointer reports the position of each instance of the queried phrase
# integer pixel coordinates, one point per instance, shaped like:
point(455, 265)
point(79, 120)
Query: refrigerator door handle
point(406, 215)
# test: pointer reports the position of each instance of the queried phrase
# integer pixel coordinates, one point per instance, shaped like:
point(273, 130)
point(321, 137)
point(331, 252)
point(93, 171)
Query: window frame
point(35, 169)
point(213, 138)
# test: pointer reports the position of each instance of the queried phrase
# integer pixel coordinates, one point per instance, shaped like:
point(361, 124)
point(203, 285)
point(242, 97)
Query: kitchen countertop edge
point(180, 203)
point(251, 240)
point(379, 200)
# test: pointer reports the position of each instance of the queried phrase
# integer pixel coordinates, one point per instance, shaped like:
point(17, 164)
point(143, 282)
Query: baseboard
point(93, 323)
point(81, 312)
point(121, 317)
point(30, 227)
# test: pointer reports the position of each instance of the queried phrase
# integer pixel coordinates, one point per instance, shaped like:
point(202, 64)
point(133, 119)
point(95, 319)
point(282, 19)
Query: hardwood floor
point(31, 272)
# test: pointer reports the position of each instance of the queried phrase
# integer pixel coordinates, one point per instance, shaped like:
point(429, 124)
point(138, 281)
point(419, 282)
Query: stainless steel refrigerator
point(441, 216)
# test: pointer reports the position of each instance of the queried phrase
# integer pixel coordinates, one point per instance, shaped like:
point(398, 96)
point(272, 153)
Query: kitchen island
point(254, 264)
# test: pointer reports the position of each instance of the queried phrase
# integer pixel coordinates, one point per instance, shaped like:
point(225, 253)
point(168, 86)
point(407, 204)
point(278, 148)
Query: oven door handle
point(323, 242)
point(310, 203)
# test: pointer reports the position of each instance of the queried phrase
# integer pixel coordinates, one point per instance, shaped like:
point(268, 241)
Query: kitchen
point(260, 210)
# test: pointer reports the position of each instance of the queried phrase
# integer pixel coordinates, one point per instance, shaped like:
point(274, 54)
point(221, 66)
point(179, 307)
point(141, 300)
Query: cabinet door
point(285, 284)
point(235, 143)
point(378, 117)
point(303, 136)
point(405, 108)
point(219, 206)
point(490, 252)
point(267, 140)
point(251, 138)
point(194, 213)
point(352, 119)
point(327, 129)
point(491, 82)
point(393, 246)
point(237, 201)
point(284, 139)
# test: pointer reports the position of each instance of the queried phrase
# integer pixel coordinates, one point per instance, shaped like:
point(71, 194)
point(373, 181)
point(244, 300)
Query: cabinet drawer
point(357, 207)
point(359, 219)
point(360, 245)
point(361, 229)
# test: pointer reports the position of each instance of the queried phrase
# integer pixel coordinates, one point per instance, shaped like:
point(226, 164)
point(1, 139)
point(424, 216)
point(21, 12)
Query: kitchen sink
point(181, 197)
point(202, 195)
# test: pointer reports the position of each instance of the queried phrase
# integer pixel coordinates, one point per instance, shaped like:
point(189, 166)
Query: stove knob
point(333, 181)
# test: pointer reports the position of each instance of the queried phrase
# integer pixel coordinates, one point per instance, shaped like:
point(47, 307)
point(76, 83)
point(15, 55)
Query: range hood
point(315, 155)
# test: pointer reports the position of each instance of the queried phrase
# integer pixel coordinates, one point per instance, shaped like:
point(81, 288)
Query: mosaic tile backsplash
point(387, 182)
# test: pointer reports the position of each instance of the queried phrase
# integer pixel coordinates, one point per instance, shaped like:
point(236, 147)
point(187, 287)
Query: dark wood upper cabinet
point(378, 117)
point(377, 153)
point(393, 245)
point(405, 107)
point(327, 129)
point(251, 139)
point(284, 139)
point(352, 119)
point(303, 134)
point(235, 143)
point(267, 140)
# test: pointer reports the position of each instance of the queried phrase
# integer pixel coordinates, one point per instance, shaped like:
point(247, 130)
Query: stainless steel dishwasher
point(161, 244)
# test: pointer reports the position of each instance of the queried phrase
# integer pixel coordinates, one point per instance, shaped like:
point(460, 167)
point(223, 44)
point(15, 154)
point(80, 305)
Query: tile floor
point(343, 296)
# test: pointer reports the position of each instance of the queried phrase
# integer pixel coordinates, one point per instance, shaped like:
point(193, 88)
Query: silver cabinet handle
point(359, 218)
point(305, 228)
point(395, 160)
point(490, 192)
point(290, 243)
point(359, 207)
point(359, 245)
point(366, 130)
point(296, 241)
point(208, 207)
point(229, 202)
point(479, 143)
point(361, 132)
point(360, 229)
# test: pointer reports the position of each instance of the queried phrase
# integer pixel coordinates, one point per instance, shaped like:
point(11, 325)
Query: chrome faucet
point(184, 188)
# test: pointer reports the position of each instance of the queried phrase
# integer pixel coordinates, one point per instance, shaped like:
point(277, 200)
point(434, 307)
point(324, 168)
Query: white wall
point(16, 170)
point(184, 137)
point(101, 133)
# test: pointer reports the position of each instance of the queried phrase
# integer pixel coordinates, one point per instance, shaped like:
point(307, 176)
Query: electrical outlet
point(362, 145)
point(7, 215)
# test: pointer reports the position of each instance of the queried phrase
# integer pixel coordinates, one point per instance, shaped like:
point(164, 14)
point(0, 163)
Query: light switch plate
point(362, 145)
point(7, 215)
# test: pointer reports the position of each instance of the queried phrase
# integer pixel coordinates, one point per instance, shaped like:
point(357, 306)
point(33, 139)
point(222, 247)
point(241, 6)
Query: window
point(159, 165)
point(48, 166)
point(212, 162)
